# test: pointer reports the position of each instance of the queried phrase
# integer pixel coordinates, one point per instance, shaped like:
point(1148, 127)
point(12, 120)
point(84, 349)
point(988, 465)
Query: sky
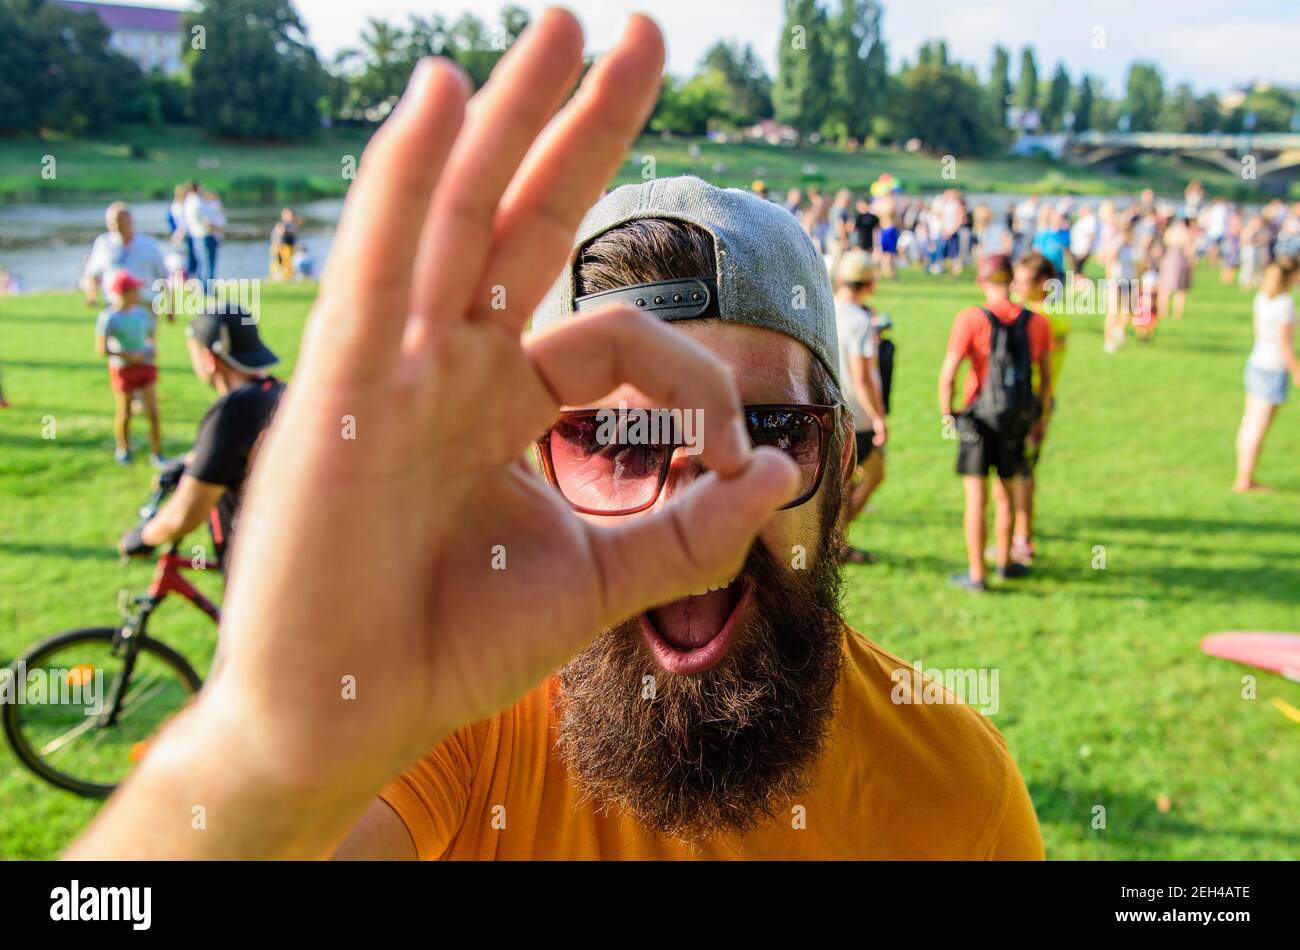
point(1213, 44)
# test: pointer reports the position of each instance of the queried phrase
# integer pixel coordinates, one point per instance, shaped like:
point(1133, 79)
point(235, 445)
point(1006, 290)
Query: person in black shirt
point(865, 225)
point(228, 354)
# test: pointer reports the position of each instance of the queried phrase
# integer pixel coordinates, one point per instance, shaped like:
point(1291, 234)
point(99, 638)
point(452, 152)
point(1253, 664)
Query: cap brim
point(251, 360)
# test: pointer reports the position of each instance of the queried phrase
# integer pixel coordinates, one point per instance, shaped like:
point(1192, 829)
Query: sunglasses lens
point(795, 433)
point(598, 473)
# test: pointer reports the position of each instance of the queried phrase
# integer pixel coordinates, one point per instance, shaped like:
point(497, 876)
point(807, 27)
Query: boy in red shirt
point(996, 421)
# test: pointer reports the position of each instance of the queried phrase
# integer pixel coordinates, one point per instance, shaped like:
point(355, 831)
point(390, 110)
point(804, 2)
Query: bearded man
point(410, 586)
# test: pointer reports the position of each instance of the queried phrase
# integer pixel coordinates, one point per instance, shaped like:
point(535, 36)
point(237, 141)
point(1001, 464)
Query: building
point(149, 36)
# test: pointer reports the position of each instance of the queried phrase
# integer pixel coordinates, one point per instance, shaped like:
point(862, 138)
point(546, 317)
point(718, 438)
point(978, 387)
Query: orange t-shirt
point(972, 336)
point(896, 780)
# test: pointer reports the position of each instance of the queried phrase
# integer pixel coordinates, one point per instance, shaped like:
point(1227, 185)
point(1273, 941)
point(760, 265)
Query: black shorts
point(863, 439)
point(980, 450)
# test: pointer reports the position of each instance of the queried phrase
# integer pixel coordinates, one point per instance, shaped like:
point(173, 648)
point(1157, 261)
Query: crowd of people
point(1139, 257)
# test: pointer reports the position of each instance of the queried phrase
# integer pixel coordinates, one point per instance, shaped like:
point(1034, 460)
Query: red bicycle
point(83, 705)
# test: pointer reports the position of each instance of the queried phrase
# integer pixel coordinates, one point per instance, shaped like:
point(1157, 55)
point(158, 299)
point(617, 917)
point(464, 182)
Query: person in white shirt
point(1272, 364)
point(121, 248)
point(1083, 239)
point(180, 233)
point(204, 218)
point(855, 280)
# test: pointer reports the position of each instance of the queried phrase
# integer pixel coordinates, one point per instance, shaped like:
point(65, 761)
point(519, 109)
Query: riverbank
point(140, 164)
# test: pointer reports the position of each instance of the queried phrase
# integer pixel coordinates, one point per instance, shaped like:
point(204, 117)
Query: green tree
point(1272, 108)
point(748, 88)
point(1027, 81)
point(855, 89)
point(1083, 105)
point(1184, 111)
point(58, 73)
point(689, 107)
point(945, 108)
point(1143, 95)
point(256, 76)
point(999, 87)
point(1058, 100)
point(803, 78)
point(933, 53)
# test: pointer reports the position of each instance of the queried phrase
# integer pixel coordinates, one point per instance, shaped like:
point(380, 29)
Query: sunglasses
point(604, 473)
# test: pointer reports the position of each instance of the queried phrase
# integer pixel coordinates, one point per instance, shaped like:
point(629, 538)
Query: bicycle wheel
point(68, 681)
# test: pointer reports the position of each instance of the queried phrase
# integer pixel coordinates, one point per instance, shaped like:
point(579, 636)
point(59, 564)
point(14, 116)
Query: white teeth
point(710, 589)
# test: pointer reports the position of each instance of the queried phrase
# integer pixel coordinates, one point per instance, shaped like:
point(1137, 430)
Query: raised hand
point(393, 487)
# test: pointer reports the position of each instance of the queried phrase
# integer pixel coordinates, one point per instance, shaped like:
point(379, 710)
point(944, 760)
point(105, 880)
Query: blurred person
point(205, 220)
point(178, 231)
point(124, 334)
point(1002, 341)
point(1122, 267)
point(859, 374)
point(865, 225)
point(886, 209)
point(1146, 312)
point(839, 227)
point(122, 248)
point(1174, 274)
point(1024, 218)
point(1193, 200)
point(284, 238)
point(982, 228)
point(1053, 240)
point(1256, 245)
point(228, 355)
point(1031, 284)
point(1272, 364)
point(1083, 239)
point(793, 201)
point(1231, 245)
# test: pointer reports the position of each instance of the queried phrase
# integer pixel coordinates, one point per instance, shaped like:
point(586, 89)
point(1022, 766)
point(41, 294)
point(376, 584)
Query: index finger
point(591, 355)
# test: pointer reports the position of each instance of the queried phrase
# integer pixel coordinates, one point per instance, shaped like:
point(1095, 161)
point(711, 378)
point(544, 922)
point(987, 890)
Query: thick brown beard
point(719, 751)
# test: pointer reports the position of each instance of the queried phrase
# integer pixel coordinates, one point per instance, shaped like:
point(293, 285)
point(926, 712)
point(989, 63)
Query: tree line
point(250, 72)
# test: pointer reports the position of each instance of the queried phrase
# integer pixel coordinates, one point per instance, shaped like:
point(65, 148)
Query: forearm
point(194, 797)
point(946, 389)
point(170, 524)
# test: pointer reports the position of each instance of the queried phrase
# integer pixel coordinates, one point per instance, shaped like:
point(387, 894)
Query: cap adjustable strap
point(666, 299)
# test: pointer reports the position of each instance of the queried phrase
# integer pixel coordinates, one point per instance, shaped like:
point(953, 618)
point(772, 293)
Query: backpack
point(1006, 402)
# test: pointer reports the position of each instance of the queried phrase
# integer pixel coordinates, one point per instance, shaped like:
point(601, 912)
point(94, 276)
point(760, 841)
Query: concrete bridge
point(1272, 158)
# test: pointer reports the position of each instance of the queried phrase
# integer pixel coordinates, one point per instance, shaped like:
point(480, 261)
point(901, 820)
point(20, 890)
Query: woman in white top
point(1271, 366)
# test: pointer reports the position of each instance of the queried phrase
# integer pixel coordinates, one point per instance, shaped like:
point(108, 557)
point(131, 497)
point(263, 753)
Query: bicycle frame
point(167, 579)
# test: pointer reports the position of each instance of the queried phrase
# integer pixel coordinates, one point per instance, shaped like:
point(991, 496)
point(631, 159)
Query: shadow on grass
point(51, 364)
point(102, 442)
point(1133, 823)
point(77, 552)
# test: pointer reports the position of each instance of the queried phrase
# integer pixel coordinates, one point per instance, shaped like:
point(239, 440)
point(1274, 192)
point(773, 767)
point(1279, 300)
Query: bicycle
point(89, 753)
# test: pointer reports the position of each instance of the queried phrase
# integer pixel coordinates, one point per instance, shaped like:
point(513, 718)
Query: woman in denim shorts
point(1271, 368)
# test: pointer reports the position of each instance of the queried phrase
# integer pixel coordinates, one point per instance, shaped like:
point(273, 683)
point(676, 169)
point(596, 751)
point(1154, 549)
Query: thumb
point(702, 537)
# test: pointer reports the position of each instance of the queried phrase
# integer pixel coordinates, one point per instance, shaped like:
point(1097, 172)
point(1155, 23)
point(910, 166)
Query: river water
point(45, 246)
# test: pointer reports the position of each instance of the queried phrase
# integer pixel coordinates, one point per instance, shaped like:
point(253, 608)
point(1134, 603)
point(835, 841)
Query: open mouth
point(694, 633)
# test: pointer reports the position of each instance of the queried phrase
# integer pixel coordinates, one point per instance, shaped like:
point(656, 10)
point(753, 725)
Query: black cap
point(231, 333)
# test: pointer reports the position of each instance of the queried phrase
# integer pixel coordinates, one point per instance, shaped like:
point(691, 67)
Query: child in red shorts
point(124, 334)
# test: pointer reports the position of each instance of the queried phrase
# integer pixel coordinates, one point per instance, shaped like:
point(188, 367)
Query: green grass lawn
point(136, 163)
point(1104, 697)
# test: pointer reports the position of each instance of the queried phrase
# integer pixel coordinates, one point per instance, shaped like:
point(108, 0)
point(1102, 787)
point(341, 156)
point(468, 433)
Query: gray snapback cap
point(768, 272)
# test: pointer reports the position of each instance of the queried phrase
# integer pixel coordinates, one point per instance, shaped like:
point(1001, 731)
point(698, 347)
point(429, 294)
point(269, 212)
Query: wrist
point(202, 795)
